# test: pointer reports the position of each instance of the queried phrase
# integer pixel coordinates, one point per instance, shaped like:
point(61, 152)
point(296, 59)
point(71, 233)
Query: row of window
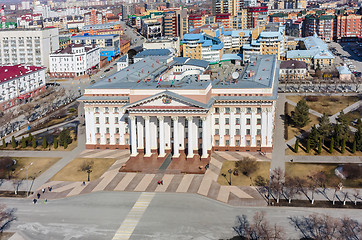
point(237, 110)
point(237, 121)
point(237, 143)
point(237, 132)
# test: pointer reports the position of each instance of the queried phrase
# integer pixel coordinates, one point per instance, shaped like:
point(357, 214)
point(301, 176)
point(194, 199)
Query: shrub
point(23, 142)
point(296, 147)
point(55, 143)
point(343, 147)
point(308, 145)
point(247, 165)
point(45, 143)
point(331, 148)
point(14, 144)
point(33, 143)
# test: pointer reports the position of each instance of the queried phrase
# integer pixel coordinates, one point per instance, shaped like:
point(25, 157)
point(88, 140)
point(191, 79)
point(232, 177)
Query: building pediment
point(167, 101)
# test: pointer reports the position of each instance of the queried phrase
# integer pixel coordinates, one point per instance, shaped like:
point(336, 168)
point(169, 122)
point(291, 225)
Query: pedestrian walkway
point(203, 184)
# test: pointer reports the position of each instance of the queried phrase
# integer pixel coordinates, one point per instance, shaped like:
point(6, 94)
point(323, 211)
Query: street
point(169, 216)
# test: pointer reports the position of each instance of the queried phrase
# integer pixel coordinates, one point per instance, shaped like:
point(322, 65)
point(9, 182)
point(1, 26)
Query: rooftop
point(153, 52)
point(11, 72)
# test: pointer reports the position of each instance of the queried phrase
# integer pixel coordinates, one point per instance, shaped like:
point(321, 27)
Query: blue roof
point(324, 54)
point(207, 43)
point(228, 57)
point(343, 70)
point(153, 52)
point(314, 42)
point(217, 47)
point(196, 62)
point(192, 37)
point(95, 36)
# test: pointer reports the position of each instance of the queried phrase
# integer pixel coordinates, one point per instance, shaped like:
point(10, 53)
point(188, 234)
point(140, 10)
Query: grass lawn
point(71, 171)
point(327, 104)
point(354, 115)
point(39, 166)
point(241, 179)
point(293, 131)
point(305, 169)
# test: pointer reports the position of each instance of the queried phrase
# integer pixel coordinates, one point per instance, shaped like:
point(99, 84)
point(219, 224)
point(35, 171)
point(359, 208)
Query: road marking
point(134, 216)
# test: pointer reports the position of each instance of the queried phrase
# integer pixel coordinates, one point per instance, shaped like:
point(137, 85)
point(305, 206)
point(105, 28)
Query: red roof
point(8, 73)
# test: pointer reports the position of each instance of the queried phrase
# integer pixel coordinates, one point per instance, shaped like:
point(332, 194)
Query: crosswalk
point(134, 216)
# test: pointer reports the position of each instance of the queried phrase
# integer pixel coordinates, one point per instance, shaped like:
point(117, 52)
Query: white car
point(102, 76)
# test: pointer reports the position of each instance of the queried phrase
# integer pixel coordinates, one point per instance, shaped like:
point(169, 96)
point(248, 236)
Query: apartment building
point(320, 24)
point(175, 23)
point(19, 82)
point(28, 46)
point(348, 26)
point(74, 60)
point(102, 29)
point(109, 44)
point(257, 16)
point(93, 17)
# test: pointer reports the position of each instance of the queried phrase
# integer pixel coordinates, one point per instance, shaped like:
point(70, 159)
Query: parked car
point(93, 81)
point(102, 76)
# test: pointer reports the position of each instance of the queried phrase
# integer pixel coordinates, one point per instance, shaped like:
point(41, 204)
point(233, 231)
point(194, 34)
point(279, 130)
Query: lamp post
point(27, 182)
point(230, 171)
point(269, 187)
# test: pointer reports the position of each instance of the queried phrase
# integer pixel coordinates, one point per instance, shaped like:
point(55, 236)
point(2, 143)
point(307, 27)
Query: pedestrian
point(46, 200)
point(83, 183)
point(34, 200)
point(43, 190)
point(161, 182)
point(38, 195)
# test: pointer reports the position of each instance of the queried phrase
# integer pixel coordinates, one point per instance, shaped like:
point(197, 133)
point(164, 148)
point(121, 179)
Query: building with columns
point(171, 105)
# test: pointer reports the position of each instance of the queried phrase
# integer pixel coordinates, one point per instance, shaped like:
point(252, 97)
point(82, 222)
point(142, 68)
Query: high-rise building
point(257, 16)
point(322, 25)
point(347, 26)
point(93, 17)
point(175, 23)
point(28, 46)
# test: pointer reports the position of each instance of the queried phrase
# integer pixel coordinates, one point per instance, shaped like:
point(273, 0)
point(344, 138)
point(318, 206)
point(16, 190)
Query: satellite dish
point(235, 75)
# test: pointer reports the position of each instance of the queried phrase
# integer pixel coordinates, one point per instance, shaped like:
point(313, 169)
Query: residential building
point(175, 23)
point(347, 27)
point(93, 17)
point(322, 25)
point(257, 16)
point(223, 20)
point(74, 60)
point(109, 44)
point(28, 46)
point(196, 21)
point(240, 21)
point(163, 43)
point(103, 29)
point(122, 62)
point(124, 46)
point(18, 83)
point(173, 107)
point(292, 71)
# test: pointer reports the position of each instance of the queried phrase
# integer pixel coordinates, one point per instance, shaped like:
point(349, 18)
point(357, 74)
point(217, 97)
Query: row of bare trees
point(317, 227)
point(289, 187)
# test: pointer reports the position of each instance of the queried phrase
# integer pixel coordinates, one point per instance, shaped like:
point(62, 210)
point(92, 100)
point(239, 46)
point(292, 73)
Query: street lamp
point(230, 171)
point(27, 182)
point(269, 187)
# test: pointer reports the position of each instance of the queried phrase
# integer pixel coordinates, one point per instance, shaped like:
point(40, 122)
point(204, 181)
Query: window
point(107, 130)
point(258, 110)
point(227, 142)
point(258, 143)
point(116, 109)
point(126, 130)
point(106, 109)
point(127, 141)
point(248, 143)
point(247, 131)
point(216, 120)
point(227, 121)
point(237, 121)
point(217, 110)
point(237, 132)
point(237, 142)
point(108, 141)
point(117, 130)
point(258, 131)
point(97, 120)
point(96, 109)
point(116, 120)
point(227, 110)
point(248, 121)
point(258, 121)
point(107, 120)
point(200, 122)
point(217, 143)
point(216, 131)
point(237, 110)
point(98, 130)
point(98, 140)
point(248, 110)
point(117, 141)
point(227, 131)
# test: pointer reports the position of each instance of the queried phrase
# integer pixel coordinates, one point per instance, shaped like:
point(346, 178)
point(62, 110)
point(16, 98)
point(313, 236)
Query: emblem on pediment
point(166, 100)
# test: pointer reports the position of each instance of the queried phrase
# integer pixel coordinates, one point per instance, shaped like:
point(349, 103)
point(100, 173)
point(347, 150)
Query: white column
point(176, 144)
point(147, 136)
point(133, 136)
point(90, 126)
point(140, 129)
point(205, 131)
point(167, 123)
point(102, 126)
point(153, 129)
point(253, 127)
point(243, 127)
point(270, 127)
point(181, 124)
point(122, 127)
point(162, 136)
point(211, 133)
point(232, 127)
point(264, 123)
point(190, 138)
point(112, 130)
point(195, 127)
point(222, 127)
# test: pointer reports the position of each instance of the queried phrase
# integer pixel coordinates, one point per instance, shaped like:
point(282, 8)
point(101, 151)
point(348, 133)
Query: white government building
point(186, 113)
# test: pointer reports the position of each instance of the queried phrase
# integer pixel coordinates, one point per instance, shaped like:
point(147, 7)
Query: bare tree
point(356, 196)
point(345, 196)
point(290, 188)
point(350, 229)
point(277, 181)
point(260, 228)
point(247, 165)
point(316, 179)
point(6, 217)
point(87, 166)
point(16, 184)
point(301, 184)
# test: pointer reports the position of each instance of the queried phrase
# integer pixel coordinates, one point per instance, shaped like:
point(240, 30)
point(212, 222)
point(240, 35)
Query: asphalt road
point(169, 216)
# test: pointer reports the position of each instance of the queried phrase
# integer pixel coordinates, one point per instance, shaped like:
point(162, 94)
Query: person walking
point(161, 182)
point(43, 190)
point(38, 195)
